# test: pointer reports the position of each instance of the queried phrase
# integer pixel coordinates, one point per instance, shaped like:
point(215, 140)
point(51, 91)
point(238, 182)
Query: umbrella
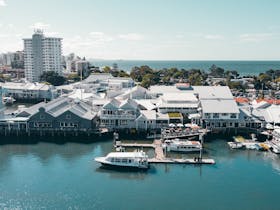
point(269, 126)
point(188, 125)
point(180, 125)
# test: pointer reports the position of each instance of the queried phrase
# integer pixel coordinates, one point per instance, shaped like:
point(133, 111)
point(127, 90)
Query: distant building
point(29, 91)
point(82, 66)
point(41, 54)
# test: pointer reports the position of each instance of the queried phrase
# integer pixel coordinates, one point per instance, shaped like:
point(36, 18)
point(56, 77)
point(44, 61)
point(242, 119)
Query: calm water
point(50, 176)
point(243, 67)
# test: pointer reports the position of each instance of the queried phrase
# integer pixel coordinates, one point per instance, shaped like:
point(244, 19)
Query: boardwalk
point(160, 156)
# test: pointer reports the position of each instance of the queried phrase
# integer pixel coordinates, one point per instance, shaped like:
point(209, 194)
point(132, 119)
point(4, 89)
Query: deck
point(160, 156)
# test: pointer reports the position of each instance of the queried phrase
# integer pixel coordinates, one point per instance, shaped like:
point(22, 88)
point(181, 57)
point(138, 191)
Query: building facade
point(41, 54)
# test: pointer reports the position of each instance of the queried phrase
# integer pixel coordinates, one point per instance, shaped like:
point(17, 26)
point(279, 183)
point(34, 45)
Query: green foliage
point(74, 77)
point(106, 69)
point(53, 78)
point(120, 73)
point(236, 85)
point(264, 78)
point(137, 73)
point(216, 71)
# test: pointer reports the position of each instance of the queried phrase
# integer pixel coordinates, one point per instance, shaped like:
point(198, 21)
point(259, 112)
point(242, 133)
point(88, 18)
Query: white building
point(119, 114)
point(29, 91)
point(218, 108)
point(182, 102)
point(41, 54)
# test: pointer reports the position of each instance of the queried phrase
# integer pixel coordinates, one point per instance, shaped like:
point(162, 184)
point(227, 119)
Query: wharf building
point(62, 116)
point(41, 54)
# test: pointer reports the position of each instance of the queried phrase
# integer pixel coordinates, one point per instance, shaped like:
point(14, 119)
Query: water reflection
point(45, 151)
point(126, 174)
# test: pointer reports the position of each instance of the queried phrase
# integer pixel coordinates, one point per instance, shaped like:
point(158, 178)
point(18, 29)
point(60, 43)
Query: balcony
point(118, 116)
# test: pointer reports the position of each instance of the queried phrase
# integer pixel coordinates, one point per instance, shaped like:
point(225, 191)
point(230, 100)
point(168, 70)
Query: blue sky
point(149, 29)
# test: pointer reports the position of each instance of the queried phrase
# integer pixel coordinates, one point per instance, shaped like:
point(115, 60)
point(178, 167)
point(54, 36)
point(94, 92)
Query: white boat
point(236, 145)
point(136, 160)
point(177, 145)
point(8, 100)
point(275, 148)
point(275, 142)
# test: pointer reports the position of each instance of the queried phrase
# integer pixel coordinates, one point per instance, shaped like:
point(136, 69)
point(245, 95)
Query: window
point(232, 115)
point(68, 116)
point(42, 116)
point(215, 115)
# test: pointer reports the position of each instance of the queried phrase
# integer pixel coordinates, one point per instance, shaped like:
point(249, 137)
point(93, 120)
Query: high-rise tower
point(41, 54)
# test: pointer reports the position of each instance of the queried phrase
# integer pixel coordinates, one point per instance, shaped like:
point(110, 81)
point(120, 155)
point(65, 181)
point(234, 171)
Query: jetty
point(160, 157)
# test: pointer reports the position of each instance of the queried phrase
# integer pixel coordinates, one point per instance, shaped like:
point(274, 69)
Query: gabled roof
point(128, 104)
point(135, 92)
point(148, 114)
point(31, 110)
point(113, 104)
point(146, 104)
point(61, 105)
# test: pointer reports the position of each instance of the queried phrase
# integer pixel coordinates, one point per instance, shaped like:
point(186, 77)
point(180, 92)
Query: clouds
point(214, 37)
point(131, 37)
point(40, 25)
point(256, 37)
point(3, 3)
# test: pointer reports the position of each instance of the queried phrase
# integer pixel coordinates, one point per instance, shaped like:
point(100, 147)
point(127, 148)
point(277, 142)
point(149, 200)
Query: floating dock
point(160, 156)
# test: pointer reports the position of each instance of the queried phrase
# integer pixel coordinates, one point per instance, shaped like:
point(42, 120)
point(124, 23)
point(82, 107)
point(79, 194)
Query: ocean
point(243, 67)
point(51, 176)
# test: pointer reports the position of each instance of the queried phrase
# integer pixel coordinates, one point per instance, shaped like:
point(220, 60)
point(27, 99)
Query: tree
point(137, 73)
point(106, 69)
point(74, 77)
point(216, 71)
point(52, 77)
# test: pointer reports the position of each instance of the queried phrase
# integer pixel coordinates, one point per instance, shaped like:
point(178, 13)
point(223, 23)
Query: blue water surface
point(50, 176)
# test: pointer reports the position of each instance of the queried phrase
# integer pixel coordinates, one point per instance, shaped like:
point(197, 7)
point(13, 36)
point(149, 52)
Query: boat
point(180, 145)
point(274, 146)
point(135, 160)
point(264, 147)
point(236, 145)
point(8, 100)
point(275, 142)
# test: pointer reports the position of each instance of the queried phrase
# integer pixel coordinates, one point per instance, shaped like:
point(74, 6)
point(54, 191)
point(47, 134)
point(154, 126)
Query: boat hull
point(123, 167)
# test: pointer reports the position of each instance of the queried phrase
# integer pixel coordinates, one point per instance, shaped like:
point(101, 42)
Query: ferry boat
point(136, 160)
point(179, 145)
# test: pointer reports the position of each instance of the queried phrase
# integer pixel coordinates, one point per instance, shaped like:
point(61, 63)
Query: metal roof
point(219, 106)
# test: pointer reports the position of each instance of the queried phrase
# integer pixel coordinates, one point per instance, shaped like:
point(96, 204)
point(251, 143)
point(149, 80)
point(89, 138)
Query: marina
point(160, 155)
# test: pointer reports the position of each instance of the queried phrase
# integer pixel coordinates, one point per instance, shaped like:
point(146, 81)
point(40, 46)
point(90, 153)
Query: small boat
point(8, 100)
point(236, 145)
point(264, 146)
point(135, 160)
point(252, 146)
point(179, 145)
point(275, 148)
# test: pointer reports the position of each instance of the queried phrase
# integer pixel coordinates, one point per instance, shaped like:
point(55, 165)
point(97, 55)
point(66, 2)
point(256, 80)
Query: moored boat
point(177, 145)
point(136, 160)
point(236, 145)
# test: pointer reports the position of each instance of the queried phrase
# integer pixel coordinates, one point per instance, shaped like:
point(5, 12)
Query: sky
point(148, 29)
